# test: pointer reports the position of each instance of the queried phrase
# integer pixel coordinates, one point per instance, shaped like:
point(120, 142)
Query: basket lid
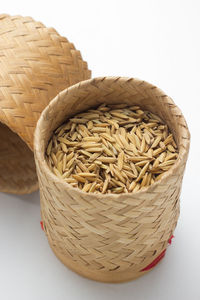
point(36, 64)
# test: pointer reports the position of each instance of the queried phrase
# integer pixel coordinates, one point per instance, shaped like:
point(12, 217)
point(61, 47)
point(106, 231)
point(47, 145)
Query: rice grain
point(112, 149)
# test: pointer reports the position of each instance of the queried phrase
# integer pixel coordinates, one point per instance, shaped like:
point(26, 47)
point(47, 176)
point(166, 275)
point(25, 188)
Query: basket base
point(33, 187)
point(111, 277)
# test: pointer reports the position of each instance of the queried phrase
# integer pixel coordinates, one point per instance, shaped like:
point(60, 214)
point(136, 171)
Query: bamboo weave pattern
point(110, 237)
point(36, 63)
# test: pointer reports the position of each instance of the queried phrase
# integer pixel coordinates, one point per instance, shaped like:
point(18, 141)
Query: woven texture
point(110, 237)
point(35, 64)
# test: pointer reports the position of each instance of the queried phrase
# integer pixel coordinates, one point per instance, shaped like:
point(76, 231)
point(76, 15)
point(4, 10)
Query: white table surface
point(158, 41)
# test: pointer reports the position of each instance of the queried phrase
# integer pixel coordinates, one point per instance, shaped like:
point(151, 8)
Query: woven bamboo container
point(36, 63)
point(109, 237)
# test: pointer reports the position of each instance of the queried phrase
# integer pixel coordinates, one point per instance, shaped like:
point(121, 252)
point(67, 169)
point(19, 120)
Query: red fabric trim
point(42, 226)
point(158, 258)
point(170, 240)
point(155, 262)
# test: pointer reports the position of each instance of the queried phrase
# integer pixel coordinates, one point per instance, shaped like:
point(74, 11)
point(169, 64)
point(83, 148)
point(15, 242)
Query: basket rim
point(39, 156)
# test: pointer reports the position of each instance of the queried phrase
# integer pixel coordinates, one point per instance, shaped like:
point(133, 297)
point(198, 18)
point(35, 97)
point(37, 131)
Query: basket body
point(109, 237)
point(36, 63)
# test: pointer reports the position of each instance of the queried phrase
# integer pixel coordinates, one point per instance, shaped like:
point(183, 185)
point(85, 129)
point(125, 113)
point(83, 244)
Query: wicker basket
point(109, 237)
point(36, 63)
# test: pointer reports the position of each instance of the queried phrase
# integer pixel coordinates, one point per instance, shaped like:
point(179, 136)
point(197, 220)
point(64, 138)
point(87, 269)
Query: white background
point(157, 41)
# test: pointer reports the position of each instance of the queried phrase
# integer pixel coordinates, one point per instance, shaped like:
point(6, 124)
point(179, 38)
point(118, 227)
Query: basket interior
point(17, 166)
point(131, 92)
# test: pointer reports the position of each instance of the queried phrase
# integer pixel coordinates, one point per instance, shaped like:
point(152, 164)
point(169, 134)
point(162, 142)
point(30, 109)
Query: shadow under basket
point(36, 64)
point(109, 237)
